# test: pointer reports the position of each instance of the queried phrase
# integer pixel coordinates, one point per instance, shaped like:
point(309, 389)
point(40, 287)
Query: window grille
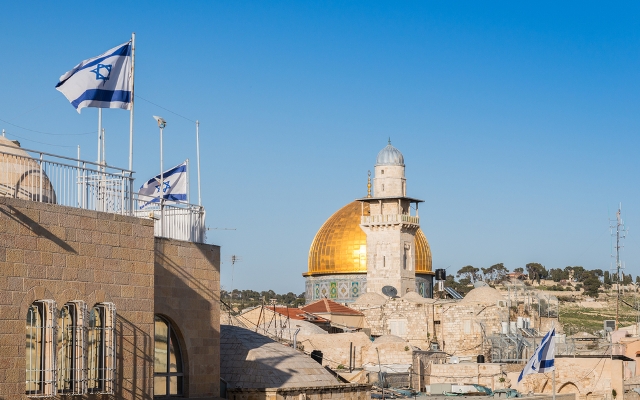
point(40, 354)
point(70, 358)
point(101, 349)
point(168, 373)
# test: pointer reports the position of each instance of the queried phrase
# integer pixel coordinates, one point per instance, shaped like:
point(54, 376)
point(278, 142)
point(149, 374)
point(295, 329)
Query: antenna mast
point(620, 233)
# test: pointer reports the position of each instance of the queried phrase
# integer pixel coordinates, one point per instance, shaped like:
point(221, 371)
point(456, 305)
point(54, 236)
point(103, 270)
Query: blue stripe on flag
point(174, 170)
point(546, 363)
point(122, 51)
point(103, 95)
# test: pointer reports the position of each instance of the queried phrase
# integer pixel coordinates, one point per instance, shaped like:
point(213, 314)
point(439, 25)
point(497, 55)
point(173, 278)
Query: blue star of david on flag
point(174, 187)
point(99, 75)
point(104, 81)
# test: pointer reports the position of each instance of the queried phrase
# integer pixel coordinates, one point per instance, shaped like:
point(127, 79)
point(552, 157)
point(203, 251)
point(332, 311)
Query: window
point(398, 327)
point(168, 373)
point(70, 348)
point(40, 349)
point(101, 349)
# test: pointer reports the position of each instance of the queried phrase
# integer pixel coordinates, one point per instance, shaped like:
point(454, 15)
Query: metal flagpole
point(133, 63)
point(99, 132)
point(198, 158)
point(188, 183)
point(161, 188)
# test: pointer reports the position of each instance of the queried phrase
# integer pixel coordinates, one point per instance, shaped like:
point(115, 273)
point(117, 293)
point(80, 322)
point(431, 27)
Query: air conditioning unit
point(609, 325)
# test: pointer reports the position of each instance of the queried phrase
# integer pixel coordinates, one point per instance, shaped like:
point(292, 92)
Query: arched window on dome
point(168, 374)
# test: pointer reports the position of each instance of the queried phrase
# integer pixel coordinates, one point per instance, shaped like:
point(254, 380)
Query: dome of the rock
point(340, 246)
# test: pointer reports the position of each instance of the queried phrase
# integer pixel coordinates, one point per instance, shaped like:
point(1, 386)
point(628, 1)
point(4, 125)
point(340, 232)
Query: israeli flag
point(103, 81)
point(173, 187)
point(543, 358)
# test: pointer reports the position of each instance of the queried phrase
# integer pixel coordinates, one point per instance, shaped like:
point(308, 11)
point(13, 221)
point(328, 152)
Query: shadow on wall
point(192, 307)
point(36, 228)
point(257, 371)
point(133, 344)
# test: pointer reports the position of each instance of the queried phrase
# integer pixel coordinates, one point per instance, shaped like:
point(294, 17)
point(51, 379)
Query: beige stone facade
point(66, 254)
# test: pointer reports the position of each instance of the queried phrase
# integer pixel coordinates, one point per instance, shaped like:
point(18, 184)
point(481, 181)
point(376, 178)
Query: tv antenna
point(619, 233)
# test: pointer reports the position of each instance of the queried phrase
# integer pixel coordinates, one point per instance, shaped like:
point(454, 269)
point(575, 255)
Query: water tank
point(505, 328)
point(520, 322)
point(317, 356)
point(441, 275)
point(480, 359)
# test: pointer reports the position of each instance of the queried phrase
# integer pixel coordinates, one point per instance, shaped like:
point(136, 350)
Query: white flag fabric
point(103, 81)
point(173, 188)
point(543, 359)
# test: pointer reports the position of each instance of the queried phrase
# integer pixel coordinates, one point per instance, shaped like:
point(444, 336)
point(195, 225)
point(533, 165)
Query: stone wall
point(588, 378)
point(337, 392)
point(187, 288)
point(63, 254)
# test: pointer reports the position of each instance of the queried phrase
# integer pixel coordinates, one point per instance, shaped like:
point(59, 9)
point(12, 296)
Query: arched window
point(101, 349)
point(40, 348)
point(70, 346)
point(168, 372)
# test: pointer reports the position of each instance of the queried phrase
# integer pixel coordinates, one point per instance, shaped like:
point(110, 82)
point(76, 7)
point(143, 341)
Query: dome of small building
point(414, 297)
point(371, 299)
point(483, 295)
point(21, 176)
point(390, 156)
point(340, 246)
point(389, 339)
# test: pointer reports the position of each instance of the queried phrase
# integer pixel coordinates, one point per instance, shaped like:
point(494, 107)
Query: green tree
point(495, 273)
point(578, 273)
point(558, 274)
point(469, 272)
point(519, 269)
point(627, 279)
point(607, 278)
point(458, 286)
point(591, 284)
point(536, 272)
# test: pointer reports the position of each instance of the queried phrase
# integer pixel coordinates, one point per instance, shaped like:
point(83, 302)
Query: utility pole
point(620, 233)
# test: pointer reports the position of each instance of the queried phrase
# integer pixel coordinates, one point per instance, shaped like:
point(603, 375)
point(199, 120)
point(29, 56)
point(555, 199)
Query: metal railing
point(65, 181)
point(54, 179)
point(181, 221)
point(389, 219)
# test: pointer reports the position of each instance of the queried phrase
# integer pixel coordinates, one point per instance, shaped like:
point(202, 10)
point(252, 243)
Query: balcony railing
point(386, 219)
point(65, 181)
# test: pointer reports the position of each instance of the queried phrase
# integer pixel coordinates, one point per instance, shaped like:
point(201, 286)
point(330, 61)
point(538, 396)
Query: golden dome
point(340, 246)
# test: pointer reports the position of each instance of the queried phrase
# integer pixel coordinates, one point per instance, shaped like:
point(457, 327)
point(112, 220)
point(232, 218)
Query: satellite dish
point(389, 291)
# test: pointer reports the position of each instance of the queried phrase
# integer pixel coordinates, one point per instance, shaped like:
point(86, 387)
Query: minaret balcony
point(389, 219)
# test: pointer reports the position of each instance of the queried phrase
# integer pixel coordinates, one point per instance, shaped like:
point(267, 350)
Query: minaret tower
point(390, 227)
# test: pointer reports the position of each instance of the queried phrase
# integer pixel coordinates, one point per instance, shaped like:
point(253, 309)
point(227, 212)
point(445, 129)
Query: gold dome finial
point(369, 184)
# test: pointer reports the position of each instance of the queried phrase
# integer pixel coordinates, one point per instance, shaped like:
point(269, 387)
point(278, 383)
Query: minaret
point(390, 227)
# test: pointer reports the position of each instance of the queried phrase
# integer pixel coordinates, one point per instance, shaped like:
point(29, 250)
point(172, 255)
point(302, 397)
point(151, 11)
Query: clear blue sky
point(519, 123)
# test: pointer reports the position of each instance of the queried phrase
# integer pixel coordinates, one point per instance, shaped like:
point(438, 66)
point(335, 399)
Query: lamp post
point(161, 124)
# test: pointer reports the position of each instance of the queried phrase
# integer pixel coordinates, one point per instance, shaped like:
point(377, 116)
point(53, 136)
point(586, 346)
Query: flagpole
point(198, 156)
point(161, 188)
point(99, 133)
point(133, 64)
point(188, 183)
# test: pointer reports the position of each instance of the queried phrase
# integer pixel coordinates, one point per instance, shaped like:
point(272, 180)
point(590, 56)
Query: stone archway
point(569, 387)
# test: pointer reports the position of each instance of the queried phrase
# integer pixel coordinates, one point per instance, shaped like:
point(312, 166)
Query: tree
point(558, 274)
point(536, 271)
point(597, 272)
point(495, 273)
point(627, 279)
point(591, 284)
point(469, 272)
point(607, 278)
point(577, 271)
point(458, 286)
point(519, 269)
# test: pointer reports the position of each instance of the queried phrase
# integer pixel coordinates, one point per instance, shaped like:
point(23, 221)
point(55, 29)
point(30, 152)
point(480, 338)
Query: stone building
point(458, 327)
point(110, 309)
point(372, 242)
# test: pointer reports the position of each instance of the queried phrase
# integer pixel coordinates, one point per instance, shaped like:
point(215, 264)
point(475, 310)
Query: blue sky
point(518, 122)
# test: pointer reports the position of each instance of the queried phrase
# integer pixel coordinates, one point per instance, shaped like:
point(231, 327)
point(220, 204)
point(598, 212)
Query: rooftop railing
point(389, 219)
point(54, 179)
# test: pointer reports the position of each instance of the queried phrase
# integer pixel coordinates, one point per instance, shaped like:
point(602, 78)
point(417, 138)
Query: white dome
point(390, 156)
